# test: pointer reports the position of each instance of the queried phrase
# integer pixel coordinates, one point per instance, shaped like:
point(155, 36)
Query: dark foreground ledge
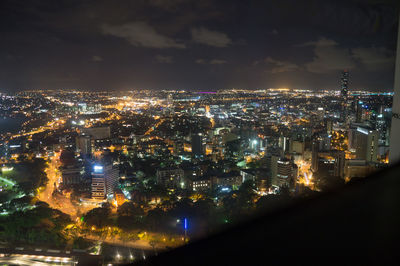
point(358, 224)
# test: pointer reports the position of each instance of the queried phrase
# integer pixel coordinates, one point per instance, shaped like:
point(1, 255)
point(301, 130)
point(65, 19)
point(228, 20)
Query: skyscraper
point(314, 154)
point(340, 159)
point(83, 145)
point(345, 83)
point(197, 144)
point(344, 92)
point(104, 180)
point(366, 143)
point(358, 111)
point(286, 173)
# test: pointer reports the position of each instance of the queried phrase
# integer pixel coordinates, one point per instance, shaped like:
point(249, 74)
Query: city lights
point(172, 127)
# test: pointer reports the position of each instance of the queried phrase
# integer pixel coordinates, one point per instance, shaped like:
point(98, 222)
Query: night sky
point(198, 44)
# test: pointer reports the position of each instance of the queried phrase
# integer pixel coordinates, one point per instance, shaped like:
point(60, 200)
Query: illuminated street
point(58, 201)
point(53, 176)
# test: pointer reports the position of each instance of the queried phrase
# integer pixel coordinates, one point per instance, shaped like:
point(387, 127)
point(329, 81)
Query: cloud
point(164, 59)
point(97, 58)
point(141, 34)
point(279, 66)
point(374, 58)
point(274, 32)
point(217, 62)
point(211, 62)
point(329, 57)
point(211, 38)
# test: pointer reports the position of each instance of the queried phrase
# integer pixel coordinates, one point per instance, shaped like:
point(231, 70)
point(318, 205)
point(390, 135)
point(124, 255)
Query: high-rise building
point(329, 126)
point(339, 163)
point(283, 143)
point(296, 147)
point(314, 155)
point(366, 144)
point(357, 168)
point(283, 172)
point(286, 172)
point(71, 174)
point(104, 180)
point(197, 144)
point(84, 144)
point(345, 83)
point(394, 154)
point(273, 166)
point(344, 93)
point(324, 142)
point(359, 111)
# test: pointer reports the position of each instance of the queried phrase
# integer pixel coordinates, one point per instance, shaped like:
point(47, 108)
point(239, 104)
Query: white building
point(104, 180)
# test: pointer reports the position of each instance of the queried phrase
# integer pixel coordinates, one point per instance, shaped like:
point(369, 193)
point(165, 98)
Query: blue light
point(98, 169)
point(185, 224)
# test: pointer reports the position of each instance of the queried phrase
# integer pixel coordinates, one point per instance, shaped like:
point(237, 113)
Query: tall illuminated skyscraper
point(345, 83)
point(394, 154)
point(344, 92)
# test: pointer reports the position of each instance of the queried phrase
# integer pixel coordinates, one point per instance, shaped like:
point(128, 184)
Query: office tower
point(71, 169)
point(324, 142)
point(381, 127)
point(338, 169)
point(366, 144)
point(345, 83)
point(314, 155)
point(296, 147)
point(329, 126)
point(274, 169)
point(71, 174)
point(359, 111)
point(84, 144)
point(286, 173)
point(283, 143)
point(394, 153)
point(351, 136)
point(344, 93)
point(104, 180)
point(197, 144)
point(320, 113)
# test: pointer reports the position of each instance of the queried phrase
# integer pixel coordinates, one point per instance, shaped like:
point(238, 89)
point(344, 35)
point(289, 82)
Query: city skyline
point(148, 131)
